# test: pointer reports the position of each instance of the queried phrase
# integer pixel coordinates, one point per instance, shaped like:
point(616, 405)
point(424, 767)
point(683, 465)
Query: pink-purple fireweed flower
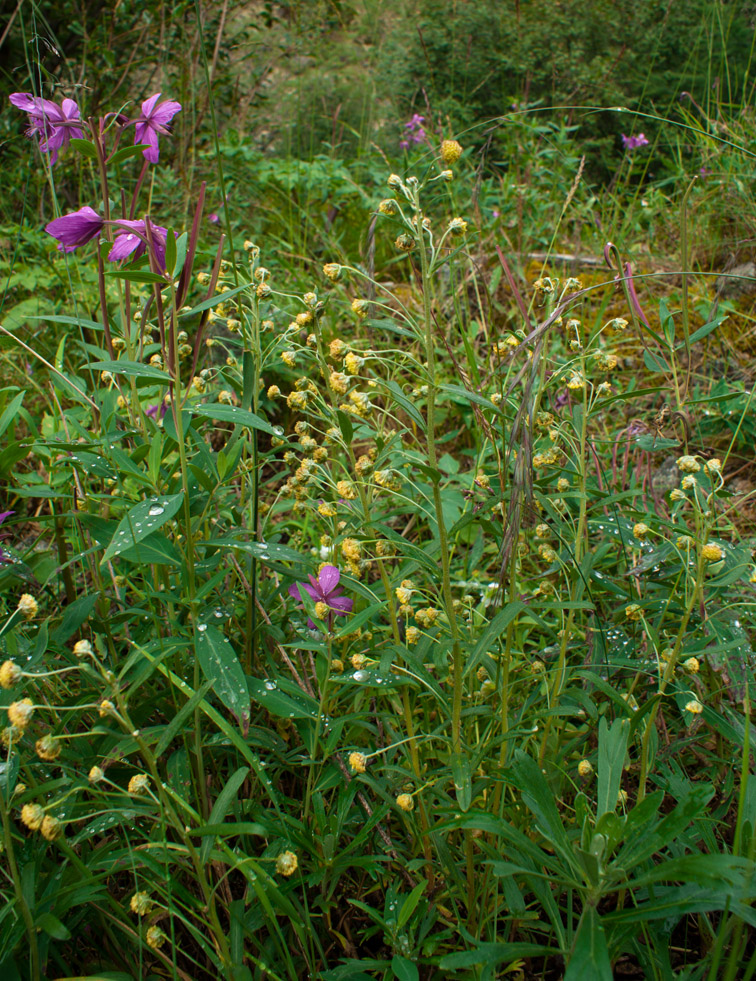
point(633, 142)
point(324, 589)
point(414, 132)
point(130, 237)
point(152, 123)
point(54, 124)
point(75, 229)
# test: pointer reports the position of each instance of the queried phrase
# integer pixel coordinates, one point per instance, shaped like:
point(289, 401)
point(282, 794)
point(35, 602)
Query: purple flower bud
point(54, 124)
point(75, 229)
point(152, 122)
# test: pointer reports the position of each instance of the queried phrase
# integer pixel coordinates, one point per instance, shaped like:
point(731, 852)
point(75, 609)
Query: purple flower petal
point(131, 239)
point(329, 578)
point(55, 125)
point(5, 514)
point(75, 229)
point(341, 605)
point(153, 121)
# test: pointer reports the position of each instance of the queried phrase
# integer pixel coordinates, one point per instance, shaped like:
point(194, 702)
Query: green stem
point(667, 677)
point(430, 354)
point(17, 888)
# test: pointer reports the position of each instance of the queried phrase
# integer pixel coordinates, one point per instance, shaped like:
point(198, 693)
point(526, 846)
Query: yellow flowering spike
point(358, 762)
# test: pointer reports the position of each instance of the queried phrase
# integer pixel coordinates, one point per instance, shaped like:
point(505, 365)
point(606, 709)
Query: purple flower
point(324, 589)
point(156, 411)
point(75, 229)
point(214, 218)
point(56, 125)
point(633, 142)
point(153, 121)
point(131, 239)
point(414, 132)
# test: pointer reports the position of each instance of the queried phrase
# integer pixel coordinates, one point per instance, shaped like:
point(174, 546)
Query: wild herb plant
point(360, 637)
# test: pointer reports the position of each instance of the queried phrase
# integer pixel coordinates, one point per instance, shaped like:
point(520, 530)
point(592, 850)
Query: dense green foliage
point(376, 547)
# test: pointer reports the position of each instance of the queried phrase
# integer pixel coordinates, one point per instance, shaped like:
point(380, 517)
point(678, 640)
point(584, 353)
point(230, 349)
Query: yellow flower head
point(96, 774)
point(405, 801)
point(358, 762)
point(155, 937)
point(694, 707)
point(138, 784)
point(353, 363)
point(106, 708)
point(633, 612)
point(10, 673)
point(20, 713)
point(711, 552)
point(332, 270)
point(451, 151)
point(32, 815)
point(360, 307)
point(287, 863)
point(141, 904)
point(51, 828)
point(48, 748)
point(413, 635)
point(641, 531)
point(688, 464)
point(585, 768)
point(28, 606)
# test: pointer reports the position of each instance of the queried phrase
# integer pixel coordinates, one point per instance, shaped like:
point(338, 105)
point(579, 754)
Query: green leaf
point(235, 415)
point(403, 401)
point(403, 969)
point(220, 665)
point(84, 146)
point(460, 767)
point(74, 615)
point(178, 265)
point(612, 748)
point(174, 726)
point(538, 797)
point(267, 693)
point(141, 521)
point(125, 153)
point(134, 369)
point(213, 301)
point(155, 549)
point(409, 904)
point(490, 954)
point(11, 412)
point(497, 626)
point(221, 807)
point(51, 924)
point(589, 960)
point(136, 275)
point(655, 362)
point(707, 329)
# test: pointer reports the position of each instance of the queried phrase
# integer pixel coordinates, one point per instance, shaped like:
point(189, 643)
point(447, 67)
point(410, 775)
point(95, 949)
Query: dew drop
point(202, 627)
point(270, 685)
point(360, 676)
point(155, 510)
